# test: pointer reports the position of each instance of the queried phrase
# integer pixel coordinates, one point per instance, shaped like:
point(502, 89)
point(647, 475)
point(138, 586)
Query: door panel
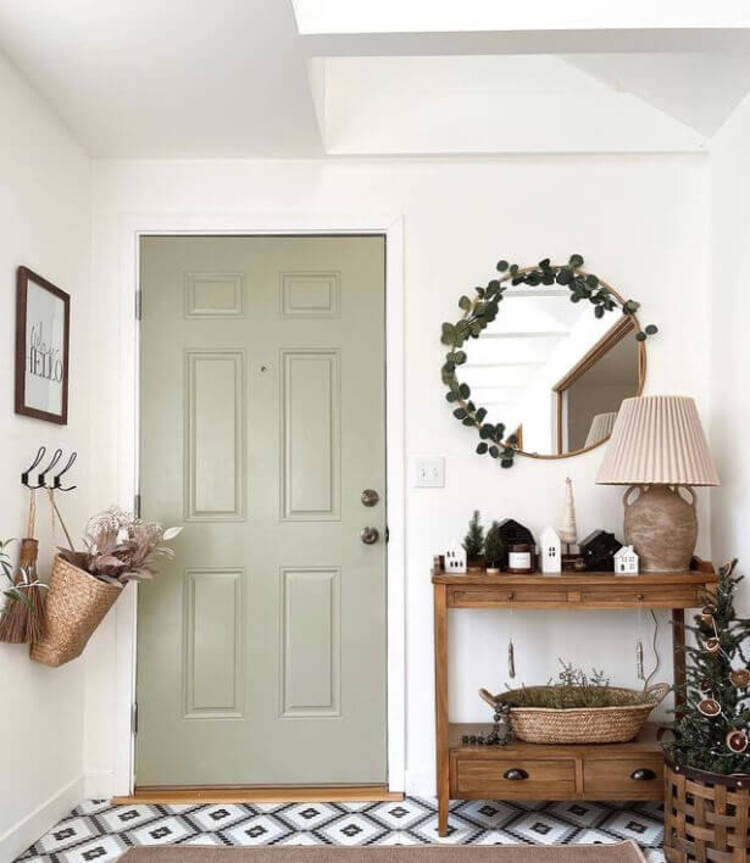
point(311, 659)
point(214, 661)
point(214, 432)
point(261, 648)
point(311, 435)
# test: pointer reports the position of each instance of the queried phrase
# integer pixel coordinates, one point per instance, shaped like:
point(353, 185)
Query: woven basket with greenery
point(555, 714)
point(83, 586)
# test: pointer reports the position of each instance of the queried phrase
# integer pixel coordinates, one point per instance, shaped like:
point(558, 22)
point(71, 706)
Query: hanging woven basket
point(706, 816)
point(75, 605)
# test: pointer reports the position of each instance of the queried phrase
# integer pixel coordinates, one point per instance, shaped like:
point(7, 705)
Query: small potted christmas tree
point(474, 543)
point(707, 803)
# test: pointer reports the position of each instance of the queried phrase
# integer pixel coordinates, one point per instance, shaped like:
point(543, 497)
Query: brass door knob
point(369, 535)
point(369, 497)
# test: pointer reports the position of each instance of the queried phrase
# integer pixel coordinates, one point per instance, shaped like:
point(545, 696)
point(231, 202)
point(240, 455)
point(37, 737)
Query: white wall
point(730, 362)
point(44, 224)
point(640, 221)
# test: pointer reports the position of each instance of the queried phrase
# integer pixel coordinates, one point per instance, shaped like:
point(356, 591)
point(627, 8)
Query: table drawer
point(624, 593)
point(626, 778)
point(519, 778)
point(501, 596)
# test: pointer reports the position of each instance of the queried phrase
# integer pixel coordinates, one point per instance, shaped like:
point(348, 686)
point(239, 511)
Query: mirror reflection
point(552, 372)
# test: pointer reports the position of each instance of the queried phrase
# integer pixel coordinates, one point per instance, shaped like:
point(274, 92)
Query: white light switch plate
point(430, 472)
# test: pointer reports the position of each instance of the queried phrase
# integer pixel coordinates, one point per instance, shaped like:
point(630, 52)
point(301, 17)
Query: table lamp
point(658, 445)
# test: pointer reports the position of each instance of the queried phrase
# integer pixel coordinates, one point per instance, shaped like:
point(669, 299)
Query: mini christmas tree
point(474, 540)
point(713, 729)
point(494, 547)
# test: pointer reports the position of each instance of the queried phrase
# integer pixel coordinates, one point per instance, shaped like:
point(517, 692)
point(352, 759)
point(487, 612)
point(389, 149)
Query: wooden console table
point(624, 771)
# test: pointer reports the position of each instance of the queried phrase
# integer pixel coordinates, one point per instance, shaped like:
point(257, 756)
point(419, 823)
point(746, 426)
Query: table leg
point(678, 658)
point(441, 706)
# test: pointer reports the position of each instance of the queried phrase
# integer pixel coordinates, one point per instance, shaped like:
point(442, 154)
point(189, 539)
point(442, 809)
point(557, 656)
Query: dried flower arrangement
point(118, 547)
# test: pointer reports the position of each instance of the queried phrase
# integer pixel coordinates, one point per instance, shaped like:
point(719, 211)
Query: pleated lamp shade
point(601, 427)
point(657, 440)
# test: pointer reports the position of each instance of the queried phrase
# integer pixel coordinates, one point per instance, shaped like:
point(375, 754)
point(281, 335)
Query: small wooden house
point(455, 559)
point(550, 551)
point(626, 561)
point(599, 550)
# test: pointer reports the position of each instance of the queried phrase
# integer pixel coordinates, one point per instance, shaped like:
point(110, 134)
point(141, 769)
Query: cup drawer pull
point(643, 774)
point(515, 774)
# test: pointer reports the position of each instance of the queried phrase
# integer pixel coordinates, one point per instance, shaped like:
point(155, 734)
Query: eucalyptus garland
point(482, 310)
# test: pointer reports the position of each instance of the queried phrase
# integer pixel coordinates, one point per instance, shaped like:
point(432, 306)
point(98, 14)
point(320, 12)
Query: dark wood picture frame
point(23, 276)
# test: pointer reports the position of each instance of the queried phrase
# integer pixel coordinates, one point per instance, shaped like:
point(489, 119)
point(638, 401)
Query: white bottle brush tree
point(569, 530)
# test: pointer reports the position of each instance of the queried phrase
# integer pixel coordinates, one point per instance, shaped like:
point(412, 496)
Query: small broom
point(23, 616)
point(35, 626)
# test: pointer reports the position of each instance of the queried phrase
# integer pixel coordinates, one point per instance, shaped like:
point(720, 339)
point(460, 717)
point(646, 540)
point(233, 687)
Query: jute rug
point(622, 852)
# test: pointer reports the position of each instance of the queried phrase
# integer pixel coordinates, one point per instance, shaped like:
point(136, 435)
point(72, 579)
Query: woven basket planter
point(75, 605)
point(616, 724)
point(706, 816)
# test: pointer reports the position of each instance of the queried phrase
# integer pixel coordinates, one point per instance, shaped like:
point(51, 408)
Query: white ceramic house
point(455, 559)
point(626, 561)
point(550, 551)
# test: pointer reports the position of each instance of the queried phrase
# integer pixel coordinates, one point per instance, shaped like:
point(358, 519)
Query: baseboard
point(420, 783)
point(98, 785)
point(24, 833)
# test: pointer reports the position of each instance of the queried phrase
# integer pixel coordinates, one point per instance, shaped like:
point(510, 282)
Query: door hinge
point(137, 505)
point(134, 718)
point(138, 303)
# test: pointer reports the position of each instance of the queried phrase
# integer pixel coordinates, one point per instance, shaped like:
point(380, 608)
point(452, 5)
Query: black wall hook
point(56, 456)
point(42, 476)
point(56, 480)
point(25, 475)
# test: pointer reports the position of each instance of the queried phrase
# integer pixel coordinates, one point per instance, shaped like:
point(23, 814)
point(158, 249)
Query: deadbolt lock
point(369, 497)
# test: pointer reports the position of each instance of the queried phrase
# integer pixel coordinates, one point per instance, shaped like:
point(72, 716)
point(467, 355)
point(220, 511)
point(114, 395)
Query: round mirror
point(539, 375)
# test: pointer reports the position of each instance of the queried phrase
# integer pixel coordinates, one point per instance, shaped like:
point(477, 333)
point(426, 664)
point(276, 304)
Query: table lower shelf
point(534, 771)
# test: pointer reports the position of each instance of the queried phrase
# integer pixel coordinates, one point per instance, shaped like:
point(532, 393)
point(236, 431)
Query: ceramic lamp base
point(662, 527)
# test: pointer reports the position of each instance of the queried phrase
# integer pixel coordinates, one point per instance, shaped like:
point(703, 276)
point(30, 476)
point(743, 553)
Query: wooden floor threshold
point(260, 794)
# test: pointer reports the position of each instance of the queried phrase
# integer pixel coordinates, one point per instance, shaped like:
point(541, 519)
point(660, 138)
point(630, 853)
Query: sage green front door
point(262, 646)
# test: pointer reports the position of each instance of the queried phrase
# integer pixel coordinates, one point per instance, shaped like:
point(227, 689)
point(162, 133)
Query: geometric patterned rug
point(98, 831)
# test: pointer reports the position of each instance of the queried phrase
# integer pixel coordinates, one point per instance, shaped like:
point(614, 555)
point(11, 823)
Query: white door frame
point(131, 228)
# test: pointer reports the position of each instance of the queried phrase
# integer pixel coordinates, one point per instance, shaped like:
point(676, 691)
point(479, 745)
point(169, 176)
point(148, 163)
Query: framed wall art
point(42, 342)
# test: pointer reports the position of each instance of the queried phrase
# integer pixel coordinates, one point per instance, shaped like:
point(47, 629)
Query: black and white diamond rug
point(98, 831)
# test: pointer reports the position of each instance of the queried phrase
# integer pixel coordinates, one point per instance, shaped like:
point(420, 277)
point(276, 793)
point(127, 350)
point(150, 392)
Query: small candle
point(519, 558)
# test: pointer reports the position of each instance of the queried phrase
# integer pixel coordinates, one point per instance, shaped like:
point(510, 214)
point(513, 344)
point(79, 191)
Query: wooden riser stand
point(616, 771)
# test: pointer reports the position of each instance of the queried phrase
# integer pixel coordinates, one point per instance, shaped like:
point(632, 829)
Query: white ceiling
point(168, 77)
point(510, 104)
point(223, 78)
